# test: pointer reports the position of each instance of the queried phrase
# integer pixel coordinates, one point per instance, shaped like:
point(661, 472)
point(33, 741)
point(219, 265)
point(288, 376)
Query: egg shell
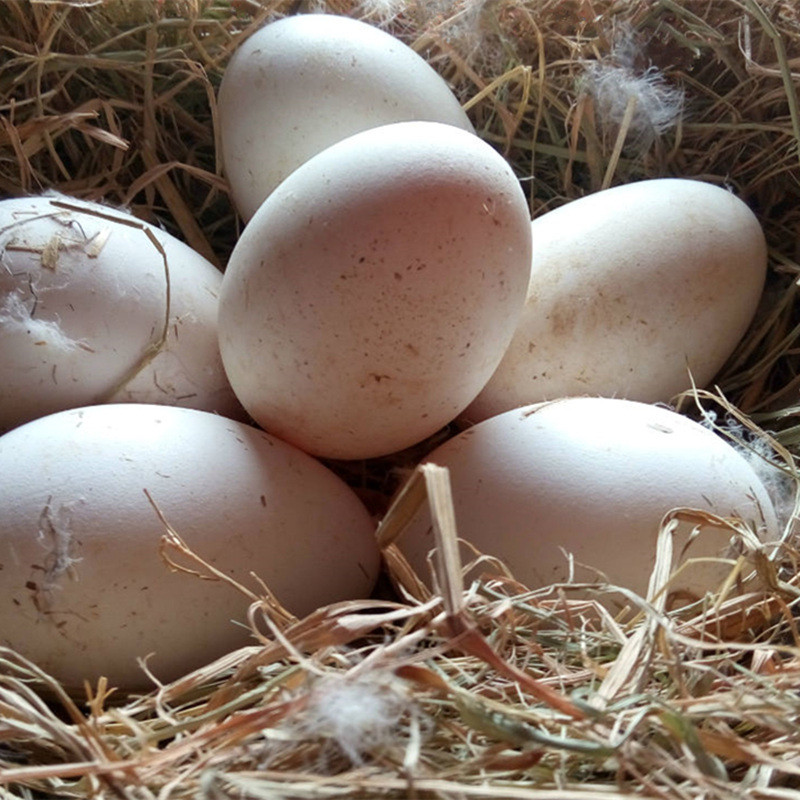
point(593, 478)
point(635, 291)
point(303, 83)
point(374, 292)
point(83, 590)
point(83, 298)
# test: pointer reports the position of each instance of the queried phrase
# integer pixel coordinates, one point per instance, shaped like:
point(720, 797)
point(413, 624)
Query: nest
point(491, 690)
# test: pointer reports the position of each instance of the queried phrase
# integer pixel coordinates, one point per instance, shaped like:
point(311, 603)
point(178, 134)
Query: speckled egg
point(375, 291)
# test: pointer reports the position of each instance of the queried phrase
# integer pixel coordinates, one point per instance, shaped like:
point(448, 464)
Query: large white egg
point(302, 83)
point(592, 478)
point(83, 590)
point(83, 303)
point(635, 291)
point(374, 292)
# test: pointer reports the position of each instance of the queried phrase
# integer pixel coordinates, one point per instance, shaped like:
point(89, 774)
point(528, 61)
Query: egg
point(90, 312)
point(635, 292)
point(581, 485)
point(374, 292)
point(83, 589)
point(307, 81)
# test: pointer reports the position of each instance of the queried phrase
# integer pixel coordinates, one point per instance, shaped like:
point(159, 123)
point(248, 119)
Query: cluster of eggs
point(388, 281)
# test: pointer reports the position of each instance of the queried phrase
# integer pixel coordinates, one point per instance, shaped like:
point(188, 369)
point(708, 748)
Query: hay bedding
point(489, 690)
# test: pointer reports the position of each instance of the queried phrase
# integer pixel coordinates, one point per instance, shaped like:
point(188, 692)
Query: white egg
point(591, 479)
point(635, 292)
point(374, 292)
point(83, 589)
point(302, 83)
point(85, 300)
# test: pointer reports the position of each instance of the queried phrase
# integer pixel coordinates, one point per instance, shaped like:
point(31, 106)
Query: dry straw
point(491, 690)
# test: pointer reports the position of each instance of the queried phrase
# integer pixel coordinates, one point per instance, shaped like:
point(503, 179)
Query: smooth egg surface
point(576, 489)
point(375, 291)
point(84, 591)
point(637, 291)
point(302, 83)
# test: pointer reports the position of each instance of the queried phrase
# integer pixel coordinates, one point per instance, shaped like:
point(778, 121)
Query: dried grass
point(479, 691)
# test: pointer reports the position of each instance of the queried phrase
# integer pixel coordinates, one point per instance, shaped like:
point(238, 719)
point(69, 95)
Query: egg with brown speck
point(85, 586)
point(374, 292)
point(639, 291)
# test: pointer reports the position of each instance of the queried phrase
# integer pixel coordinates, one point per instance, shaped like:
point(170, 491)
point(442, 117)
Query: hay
point(492, 689)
